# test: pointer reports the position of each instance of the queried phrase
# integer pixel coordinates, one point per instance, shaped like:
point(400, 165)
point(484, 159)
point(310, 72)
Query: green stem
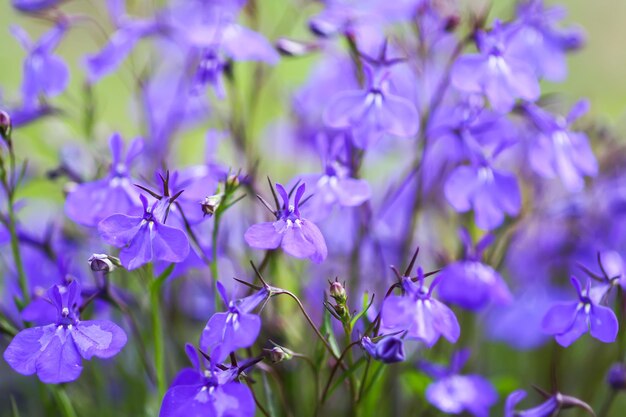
point(63, 401)
point(213, 265)
point(15, 248)
point(157, 327)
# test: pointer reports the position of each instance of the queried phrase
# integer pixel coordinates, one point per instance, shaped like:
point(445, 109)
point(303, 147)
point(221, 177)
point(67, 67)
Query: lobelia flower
point(373, 111)
point(334, 187)
point(570, 320)
point(549, 408)
point(541, 42)
point(558, 151)
point(145, 238)
point(45, 74)
point(234, 329)
point(494, 71)
point(453, 393)
point(121, 42)
point(616, 376)
point(90, 202)
point(469, 282)
point(55, 351)
point(389, 349)
point(416, 311)
point(212, 392)
point(490, 192)
point(297, 236)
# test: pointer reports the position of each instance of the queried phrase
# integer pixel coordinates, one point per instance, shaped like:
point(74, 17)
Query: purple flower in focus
point(234, 329)
point(55, 351)
point(496, 72)
point(91, 202)
point(145, 238)
point(34, 5)
point(453, 393)
point(207, 393)
point(374, 111)
point(470, 283)
point(491, 193)
point(297, 236)
point(45, 74)
point(416, 311)
point(557, 151)
point(570, 320)
point(389, 349)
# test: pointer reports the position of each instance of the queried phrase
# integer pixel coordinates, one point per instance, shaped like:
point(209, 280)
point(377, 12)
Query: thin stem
point(17, 257)
point(608, 402)
point(157, 327)
point(308, 318)
point(334, 370)
point(63, 401)
point(213, 265)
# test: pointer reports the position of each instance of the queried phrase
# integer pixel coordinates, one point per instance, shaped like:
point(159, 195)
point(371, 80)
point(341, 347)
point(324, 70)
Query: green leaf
point(366, 307)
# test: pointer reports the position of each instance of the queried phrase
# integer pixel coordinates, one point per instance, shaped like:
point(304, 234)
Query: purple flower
point(549, 408)
point(210, 393)
point(91, 202)
point(297, 236)
point(491, 193)
point(234, 329)
point(470, 283)
point(55, 351)
point(568, 321)
point(557, 151)
point(44, 73)
point(334, 187)
point(541, 42)
point(121, 42)
point(453, 393)
point(145, 238)
point(33, 5)
point(423, 317)
point(389, 349)
point(374, 111)
point(616, 377)
point(494, 71)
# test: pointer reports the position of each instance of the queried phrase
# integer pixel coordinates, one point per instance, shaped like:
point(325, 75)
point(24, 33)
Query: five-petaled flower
point(297, 236)
point(55, 351)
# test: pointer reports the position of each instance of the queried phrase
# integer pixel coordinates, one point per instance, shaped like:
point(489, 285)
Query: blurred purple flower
point(45, 74)
point(145, 238)
point(55, 351)
point(297, 236)
point(453, 393)
point(33, 5)
point(470, 283)
point(495, 71)
point(570, 320)
point(558, 151)
point(90, 202)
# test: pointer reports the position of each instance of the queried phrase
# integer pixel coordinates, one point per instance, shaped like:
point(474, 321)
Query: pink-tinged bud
point(279, 354)
point(338, 292)
point(289, 47)
point(5, 125)
point(210, 204)
point(103, 263)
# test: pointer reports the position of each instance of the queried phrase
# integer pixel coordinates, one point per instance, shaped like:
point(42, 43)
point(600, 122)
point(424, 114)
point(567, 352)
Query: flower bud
point(101, 262)
point(210, 204)
point(616, 377)
point(5, 125)
point(289, 47)
point(387, 350)
point(279, 354)
point(338, 292)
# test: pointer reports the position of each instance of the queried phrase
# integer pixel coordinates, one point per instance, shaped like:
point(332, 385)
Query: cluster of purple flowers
point(424, 124)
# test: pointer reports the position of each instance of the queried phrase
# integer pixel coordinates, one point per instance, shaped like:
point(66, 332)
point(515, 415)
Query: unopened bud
point(616, 377)
point(5, 125)
point(338, 292)
point(103, 263)
point(210, 204)
point(279, 354)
